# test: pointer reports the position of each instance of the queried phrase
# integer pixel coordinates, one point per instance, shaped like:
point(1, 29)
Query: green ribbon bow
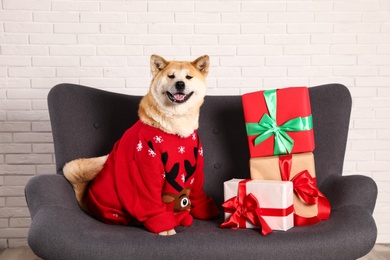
point(268, 126)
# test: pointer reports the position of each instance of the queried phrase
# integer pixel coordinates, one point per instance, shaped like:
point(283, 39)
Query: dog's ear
point(202, 64)
point(157, 64)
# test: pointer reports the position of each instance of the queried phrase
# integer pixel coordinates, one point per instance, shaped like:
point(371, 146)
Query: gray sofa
point(86, 122)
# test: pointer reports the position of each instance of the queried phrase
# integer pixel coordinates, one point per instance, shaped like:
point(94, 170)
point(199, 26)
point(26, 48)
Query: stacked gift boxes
point(279, 126)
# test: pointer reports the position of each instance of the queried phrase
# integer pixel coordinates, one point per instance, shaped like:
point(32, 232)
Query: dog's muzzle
point(179, 96)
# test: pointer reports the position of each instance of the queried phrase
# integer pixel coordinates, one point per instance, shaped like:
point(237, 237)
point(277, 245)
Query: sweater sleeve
point(143, 184)
point(203, 207)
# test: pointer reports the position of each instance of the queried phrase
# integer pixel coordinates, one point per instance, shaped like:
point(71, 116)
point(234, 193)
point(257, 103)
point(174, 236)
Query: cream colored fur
point(80, 172)
point(156, 110)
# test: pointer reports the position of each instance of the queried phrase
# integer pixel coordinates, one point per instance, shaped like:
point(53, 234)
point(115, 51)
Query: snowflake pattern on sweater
point(145, 164)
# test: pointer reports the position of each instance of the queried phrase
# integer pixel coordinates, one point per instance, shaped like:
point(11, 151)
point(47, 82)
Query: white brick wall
point(252, 44)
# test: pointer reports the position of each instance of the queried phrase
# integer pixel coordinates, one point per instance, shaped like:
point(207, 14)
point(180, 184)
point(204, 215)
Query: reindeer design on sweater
point(182, 200)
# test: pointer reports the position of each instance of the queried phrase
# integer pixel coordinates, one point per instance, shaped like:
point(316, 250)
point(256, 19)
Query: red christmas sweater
point(143, 165)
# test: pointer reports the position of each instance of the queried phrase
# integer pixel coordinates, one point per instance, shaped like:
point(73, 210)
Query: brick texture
point(252, 44)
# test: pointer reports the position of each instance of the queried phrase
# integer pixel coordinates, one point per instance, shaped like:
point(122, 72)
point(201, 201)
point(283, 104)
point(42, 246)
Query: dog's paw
point(171, 232)
point(167, 233)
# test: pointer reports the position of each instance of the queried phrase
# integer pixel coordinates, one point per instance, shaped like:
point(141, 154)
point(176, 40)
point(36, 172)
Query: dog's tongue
point(179, 97)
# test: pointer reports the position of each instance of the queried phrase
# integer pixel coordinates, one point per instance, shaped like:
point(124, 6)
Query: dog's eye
point(171, 76)
point(189, 77)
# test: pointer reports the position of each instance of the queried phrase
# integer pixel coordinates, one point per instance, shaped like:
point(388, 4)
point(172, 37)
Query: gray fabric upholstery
point(86, 122)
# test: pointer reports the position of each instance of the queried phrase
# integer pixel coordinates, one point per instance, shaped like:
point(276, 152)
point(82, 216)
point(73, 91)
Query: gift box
point(256, 203)
point(278, 121)
point(310, 205)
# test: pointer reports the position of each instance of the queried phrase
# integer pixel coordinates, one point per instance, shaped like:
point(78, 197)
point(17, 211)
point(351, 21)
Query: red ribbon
point(246, 207)
point(305, 187)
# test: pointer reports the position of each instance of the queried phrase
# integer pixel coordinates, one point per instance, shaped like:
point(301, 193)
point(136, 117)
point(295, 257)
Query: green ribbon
point(268, 126)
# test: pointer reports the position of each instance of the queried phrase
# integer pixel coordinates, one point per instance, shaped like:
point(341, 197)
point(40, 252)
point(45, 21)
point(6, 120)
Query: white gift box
point(270, 195)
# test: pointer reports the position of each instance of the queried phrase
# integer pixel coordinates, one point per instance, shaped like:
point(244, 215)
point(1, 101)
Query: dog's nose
point(180, 85)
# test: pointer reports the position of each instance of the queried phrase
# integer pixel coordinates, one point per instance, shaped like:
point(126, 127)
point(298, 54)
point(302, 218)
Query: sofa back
point(86, 122)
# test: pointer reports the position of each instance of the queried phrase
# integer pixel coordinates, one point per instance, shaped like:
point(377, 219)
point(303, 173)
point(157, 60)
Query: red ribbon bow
point(305, 187)
point(248, 210)
point(246, 207)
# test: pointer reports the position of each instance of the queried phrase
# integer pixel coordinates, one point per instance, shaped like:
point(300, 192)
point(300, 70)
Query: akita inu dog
point(154, 173)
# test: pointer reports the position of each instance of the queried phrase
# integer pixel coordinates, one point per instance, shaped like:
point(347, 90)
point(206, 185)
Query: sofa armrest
point(49, 191)
point(350, 190)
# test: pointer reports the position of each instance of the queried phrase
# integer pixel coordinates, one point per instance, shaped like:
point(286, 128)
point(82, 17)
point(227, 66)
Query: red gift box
point(278, 121)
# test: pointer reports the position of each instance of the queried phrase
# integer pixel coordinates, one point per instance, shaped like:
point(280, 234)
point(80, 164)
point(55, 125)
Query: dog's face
point(179, 85)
